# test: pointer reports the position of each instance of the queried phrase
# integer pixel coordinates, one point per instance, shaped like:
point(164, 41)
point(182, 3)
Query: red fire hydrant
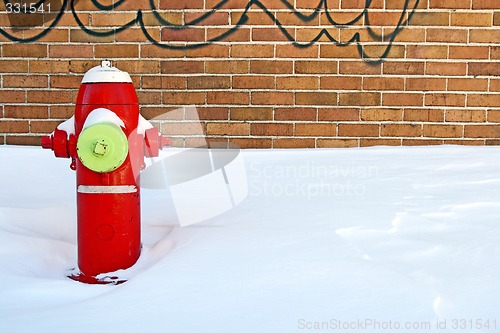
point(107, 140)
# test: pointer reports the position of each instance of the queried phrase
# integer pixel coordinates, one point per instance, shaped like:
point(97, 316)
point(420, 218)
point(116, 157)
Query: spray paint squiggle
point(407, 12)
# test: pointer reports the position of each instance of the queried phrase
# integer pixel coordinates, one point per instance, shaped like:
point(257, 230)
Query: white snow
point(68, 126)
point(143, 125)
point(102, 115)
point(326, 239)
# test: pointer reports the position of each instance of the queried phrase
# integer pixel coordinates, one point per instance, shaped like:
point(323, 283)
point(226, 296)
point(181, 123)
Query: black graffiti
point(387, 40)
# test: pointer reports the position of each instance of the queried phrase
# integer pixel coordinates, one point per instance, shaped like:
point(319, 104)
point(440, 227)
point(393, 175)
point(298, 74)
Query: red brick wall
point(435, 82)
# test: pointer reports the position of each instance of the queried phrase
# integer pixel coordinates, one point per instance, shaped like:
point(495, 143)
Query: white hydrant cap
point(106, 74)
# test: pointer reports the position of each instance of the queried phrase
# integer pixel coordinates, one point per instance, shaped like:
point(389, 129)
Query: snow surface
point(387, 236)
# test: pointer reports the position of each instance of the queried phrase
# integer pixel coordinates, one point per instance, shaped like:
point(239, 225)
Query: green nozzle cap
point(102, 147)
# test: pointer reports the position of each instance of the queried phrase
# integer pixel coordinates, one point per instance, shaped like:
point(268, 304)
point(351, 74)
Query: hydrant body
point(107, 145)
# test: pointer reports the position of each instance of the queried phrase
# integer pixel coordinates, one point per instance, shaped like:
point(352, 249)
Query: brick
point(422, 142)
point(210, 51)
point(484, 69)
point(65, 81)
point(252, 51)
point(25, 81)
point(182, 67)
point(408, 34)
point(358, 130)
point(111, 20)
point(317, 129)
point(295, 113)
point(443, 131)
point(482, 131)
point(182, 4)
point(43, 126)
point(24, 50)
point(469, 52)
point(402, 99)
point(459, 84)
point(379, 142)
point(271, 129)
point(14, 126)
point(494, 116)
point(444, 4)
point(80, 36)
point(61, 111)
point(426, 84)
point(294, 143)
point(446, 69)
point(383, 83)
point(208, 82)
point(272, 98)
point(215, 18)
point(359, 67)
point(270, 34)
point(471, 19)
point(183, 98)
point(496, 19)
point(252, 113)
point(253, 82)
point(252, 18)
point(484, 4)
point(445, 35)
point(404, 68)
point(495, 85)
point(14, 66)
point(486, 36)
point(183, 35)
point(297, 83)
point(445, 99)
point(116, 51)
point(291, 19)
point(475, 116)
point(335, 51)
point(292, 51)
point(252, 142)
point(495, 52)
point(224, 67)
point(153, 51)
point(401, 130)
point(240, 35)
point(360, 99)
point(23, 140)
point(338, 114)
point(337, 143)
point(271, 67)
point(427, 52)
point(483, 100)
point(26, 112)
point(316, 67)
point(382, 114)
point(316, 98)
point(12, 96)
point(464, 142)
point(228, 97)
point(430, 19)
point(427, 115)
point(306, 35)
point(54, 96)
point(341, 82)
point(384, 51)
point(182, 128)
